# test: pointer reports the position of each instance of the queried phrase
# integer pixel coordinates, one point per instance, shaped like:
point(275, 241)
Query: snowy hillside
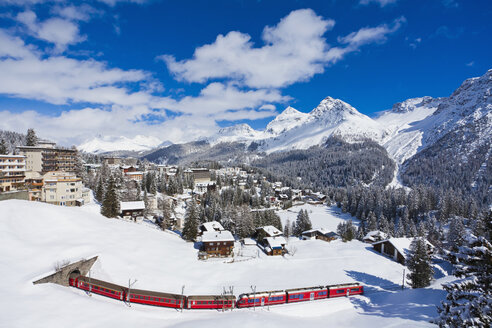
point(99, 145)
point(34, 236)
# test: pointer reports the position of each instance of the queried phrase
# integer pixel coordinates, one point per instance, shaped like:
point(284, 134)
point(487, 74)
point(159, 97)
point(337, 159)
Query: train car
point(156, 298)
point(306, 294)
point(210, 301)
point(345, 289)
point(101, 287)
point(262, 298)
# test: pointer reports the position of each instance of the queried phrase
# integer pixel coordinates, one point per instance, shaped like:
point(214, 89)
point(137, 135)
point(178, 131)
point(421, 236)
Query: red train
point(213, 301)
point(298, 295)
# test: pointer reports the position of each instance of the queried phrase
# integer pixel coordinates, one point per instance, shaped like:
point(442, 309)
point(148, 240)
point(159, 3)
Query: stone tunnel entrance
point(72, 276)
point(68, 272)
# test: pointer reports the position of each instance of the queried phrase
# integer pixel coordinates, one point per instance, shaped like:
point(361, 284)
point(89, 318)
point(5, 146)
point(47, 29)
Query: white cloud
point(294, 50)
point(83, 12)
point(60, 32)
point(376, 34)
point(381, 3)
point(470, 64)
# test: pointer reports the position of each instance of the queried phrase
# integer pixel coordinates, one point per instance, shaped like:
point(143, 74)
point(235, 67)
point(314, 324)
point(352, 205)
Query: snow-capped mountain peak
point(287, 120)
point(99, 145)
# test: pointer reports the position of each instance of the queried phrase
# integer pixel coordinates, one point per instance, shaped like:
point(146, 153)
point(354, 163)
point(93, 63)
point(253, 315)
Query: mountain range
point(447, 135)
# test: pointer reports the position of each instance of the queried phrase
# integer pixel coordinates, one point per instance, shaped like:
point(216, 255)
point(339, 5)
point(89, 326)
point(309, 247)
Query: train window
point(340, 291)
point(354, 289)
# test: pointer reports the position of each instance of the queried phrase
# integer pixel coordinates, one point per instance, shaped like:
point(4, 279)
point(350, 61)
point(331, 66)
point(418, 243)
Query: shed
point(274, 245)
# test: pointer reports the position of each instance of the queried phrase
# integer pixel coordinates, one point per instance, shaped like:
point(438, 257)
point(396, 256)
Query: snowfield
point(34, 236)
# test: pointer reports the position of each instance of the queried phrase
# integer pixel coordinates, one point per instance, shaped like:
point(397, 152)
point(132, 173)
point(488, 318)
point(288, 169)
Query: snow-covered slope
point(105, 144)
point(34, 236)
point(418, 123)
point(238, 132)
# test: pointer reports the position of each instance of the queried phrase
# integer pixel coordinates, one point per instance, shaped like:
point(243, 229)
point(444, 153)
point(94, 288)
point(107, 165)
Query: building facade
point(12, 172)
point(62, 188)
point(46, 158)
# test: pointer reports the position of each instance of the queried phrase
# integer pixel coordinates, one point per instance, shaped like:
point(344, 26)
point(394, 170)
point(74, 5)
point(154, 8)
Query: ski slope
point(34, 236)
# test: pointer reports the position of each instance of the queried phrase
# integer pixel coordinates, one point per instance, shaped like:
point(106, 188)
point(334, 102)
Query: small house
point(217, 243)
point(321, 234)
point(396, 248)
point(274, 245)
point(132, 210)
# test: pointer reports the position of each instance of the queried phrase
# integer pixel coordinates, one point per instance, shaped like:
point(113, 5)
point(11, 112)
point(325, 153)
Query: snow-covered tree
point(287, 227)
point(303, 223)
point(346, 230)
point(456, 232)
point(31, 139)
point(372, 222)
point(3, 147)
point(419, 263)
point(190, 229)
point(469, 299)
point(110, 205)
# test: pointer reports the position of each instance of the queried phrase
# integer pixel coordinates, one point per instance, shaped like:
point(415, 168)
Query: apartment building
point(46, 157)
point(12, 172)
point(63, 188)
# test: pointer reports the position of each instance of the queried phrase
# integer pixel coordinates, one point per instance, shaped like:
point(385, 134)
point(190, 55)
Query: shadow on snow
point(386, 299)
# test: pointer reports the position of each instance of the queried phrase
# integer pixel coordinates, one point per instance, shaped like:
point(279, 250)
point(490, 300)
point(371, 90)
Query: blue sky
point(177, 70)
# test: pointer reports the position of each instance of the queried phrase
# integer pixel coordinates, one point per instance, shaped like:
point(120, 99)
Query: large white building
point(63, 188)
point(12, 172)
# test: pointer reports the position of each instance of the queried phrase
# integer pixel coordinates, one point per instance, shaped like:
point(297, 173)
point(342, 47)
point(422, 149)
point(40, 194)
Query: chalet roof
point(327, 233)
point(128, 206)
point(402, 245)
point(375, 234)
point(212, 236)
point(271, 231)
point(212, 226)
point(276, 242)
point(134, 173)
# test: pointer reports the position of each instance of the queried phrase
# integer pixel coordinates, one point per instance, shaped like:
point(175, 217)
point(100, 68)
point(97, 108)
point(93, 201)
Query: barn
point(321, 234)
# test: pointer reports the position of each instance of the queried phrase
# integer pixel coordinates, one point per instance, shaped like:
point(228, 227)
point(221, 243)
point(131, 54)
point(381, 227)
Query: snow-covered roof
point(134, 173)
point(212, 226)
point(276, 242)
point(322, 231)
point(249, 241)
point(137, 205)
point(211, 236)
point(271, 231)
point(375, 234)
point(402, 245)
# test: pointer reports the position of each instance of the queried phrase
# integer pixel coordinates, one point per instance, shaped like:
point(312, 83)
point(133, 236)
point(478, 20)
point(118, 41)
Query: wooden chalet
point(274, 245)
point(132, 210)
point(321, 234)
point(396, 248)
point(374, 236)
point(217, 243)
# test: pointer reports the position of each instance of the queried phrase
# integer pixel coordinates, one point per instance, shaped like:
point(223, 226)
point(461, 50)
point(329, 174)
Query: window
point(340, 291)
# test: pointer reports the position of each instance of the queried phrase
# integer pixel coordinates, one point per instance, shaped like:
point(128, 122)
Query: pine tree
point(31, 139)
point(287, 227)
point(3, 147)
point(110, 206)
point(372, 222)
point(100, 190)
point(420, 264)
point(190, 229)
point(469, 299)
point(456, 232)
point(346, 230)
point(303, 223)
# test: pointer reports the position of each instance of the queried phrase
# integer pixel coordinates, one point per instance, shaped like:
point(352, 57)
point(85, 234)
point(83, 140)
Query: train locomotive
point(257, 299)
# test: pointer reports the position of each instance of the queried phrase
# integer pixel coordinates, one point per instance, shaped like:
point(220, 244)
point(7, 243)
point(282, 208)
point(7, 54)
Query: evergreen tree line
point(336, 163)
